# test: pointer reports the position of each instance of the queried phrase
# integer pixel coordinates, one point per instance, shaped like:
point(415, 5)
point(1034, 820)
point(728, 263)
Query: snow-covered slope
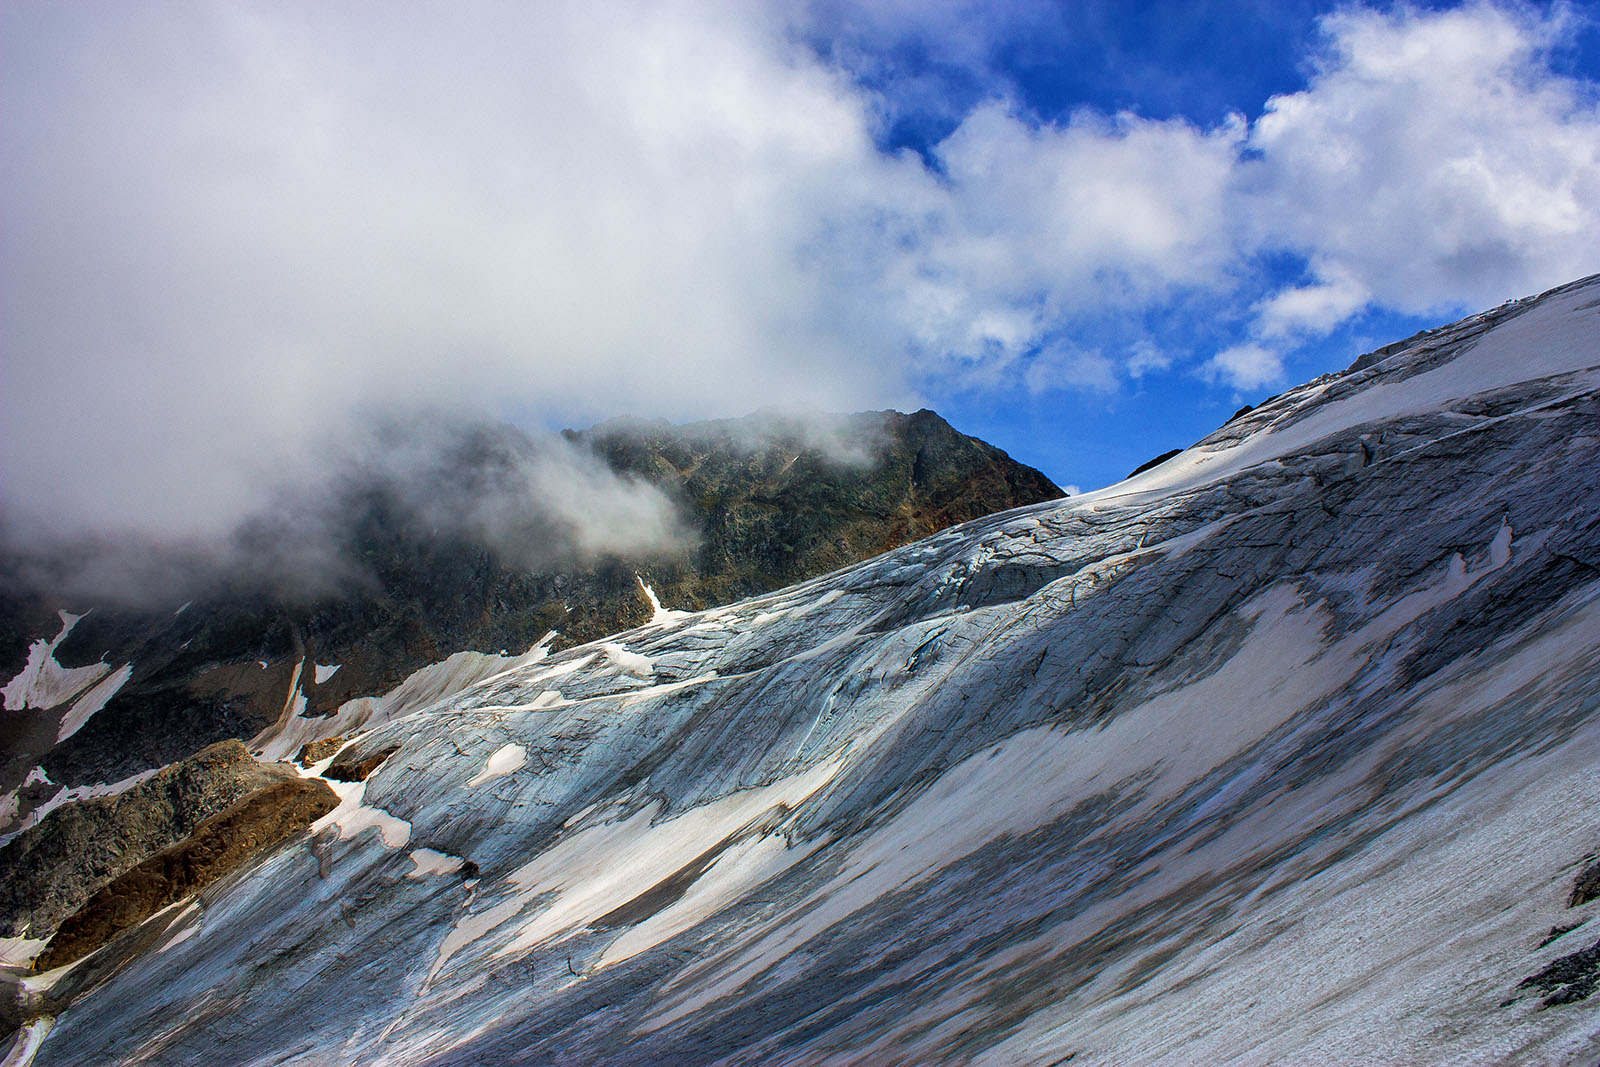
point(1282, 752)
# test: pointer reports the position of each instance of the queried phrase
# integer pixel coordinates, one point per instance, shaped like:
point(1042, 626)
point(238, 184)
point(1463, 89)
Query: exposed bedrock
point(219, 845)
point(48, 871)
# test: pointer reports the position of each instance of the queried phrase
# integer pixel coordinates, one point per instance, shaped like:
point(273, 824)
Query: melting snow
point(628, 662)
point(352, 816)
point(93, 701)
point(600, 868)
point(430, 863)
point(659, 616)
point(422, 688)
point(26, 1044)
point(325, 671)
point(44, 683)
point(506, 759)
point(20, 951)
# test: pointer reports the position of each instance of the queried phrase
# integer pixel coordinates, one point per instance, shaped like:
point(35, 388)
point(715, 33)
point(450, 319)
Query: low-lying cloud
point(422, 482)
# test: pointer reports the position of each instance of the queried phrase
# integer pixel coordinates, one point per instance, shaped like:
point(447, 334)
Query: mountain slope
point(1282, 751)
point(768, 501)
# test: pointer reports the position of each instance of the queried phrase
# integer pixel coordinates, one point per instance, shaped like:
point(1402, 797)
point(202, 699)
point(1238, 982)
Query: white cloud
point(1063, 367)
point(1244, 367)
point(227, 225)
point(1041, 223)
point(1314, 308)
point(230, 225)
point(1432, 162)
point(1145, 358)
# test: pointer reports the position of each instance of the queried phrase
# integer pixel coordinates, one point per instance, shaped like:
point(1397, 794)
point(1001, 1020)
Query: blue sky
point(1087, 232)
point(1193, 62)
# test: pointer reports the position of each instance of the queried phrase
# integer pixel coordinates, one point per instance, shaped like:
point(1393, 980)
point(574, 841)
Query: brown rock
point(1587, 887)
point(48, 871)
point(221, 844)
point(317, 751)
point(354, 768)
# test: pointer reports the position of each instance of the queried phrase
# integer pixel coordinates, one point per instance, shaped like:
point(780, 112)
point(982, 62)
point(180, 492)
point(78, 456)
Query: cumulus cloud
point(1243, 367)
point(1043, 223)
point(1433, 161)
point(231, 227)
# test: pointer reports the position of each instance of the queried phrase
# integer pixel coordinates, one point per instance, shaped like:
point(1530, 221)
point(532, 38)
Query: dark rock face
point(219, 845)
point(48, 871)
point(357, 766)
point(771, 502)
point(776, 506)
point(1569, 978)
point(1587, 886)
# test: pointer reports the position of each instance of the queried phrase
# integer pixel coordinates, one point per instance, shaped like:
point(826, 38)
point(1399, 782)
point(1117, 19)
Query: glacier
point(1284, 750)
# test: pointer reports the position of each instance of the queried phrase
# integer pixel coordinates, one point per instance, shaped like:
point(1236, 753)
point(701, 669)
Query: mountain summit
point(1281, 751)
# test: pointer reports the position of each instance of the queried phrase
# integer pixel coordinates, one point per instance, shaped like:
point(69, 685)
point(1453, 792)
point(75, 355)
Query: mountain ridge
point(229, 665)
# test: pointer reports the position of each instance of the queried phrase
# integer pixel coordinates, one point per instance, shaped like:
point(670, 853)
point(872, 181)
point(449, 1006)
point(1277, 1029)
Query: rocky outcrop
point(317, 751)
point(1567, 979)
point(1586, 887)
point(356, 766)
point(219, 845)
point(50, 870)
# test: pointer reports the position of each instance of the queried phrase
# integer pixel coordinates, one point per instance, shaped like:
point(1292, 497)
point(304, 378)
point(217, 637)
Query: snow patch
point(68, 796)
point(628, 662)
point(354, 815)
point(506, 759)
point(21, 951)
point(186, 923)
point(26, 1044)
point(659, 616)
point(430, 863)
point(421, 689)
point(93, 701)
point(602, 867)
point(325, 671)
point(44, 683)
